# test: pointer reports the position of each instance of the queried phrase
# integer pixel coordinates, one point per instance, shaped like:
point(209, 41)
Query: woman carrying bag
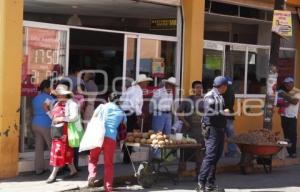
point(66, 132)
point(112, 116)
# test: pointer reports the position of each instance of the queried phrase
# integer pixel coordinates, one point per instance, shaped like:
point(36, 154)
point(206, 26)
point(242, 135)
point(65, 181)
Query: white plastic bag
point(94, 133)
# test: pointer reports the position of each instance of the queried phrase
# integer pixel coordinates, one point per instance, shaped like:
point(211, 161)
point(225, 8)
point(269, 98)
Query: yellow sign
point(282, 23)
point(158, 67)
point(163, 24)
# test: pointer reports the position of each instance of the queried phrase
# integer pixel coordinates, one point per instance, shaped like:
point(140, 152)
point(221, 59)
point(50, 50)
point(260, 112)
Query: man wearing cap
point(161, 106)
point(213, 126)
point(289, 113)
point(132, 104)
point(229, 99)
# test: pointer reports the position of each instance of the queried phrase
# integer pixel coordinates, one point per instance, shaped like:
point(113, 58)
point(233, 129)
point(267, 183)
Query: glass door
point(45, 55)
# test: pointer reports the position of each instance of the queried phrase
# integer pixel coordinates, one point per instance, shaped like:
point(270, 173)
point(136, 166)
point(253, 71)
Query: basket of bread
point(156, 140)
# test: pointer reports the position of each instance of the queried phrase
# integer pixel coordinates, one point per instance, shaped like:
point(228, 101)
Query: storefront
point(206, 41)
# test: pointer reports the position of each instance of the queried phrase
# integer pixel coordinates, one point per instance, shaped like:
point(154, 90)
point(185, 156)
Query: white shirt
point(132, 100)
point(162, 100)
point(292, 110)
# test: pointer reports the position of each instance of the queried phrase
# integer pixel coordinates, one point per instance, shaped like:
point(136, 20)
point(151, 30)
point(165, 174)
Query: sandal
point(51, 180)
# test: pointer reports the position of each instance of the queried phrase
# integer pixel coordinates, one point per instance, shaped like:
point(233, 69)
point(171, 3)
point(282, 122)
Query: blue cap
point(288, 80)
point(229, 80)
point(220, 80)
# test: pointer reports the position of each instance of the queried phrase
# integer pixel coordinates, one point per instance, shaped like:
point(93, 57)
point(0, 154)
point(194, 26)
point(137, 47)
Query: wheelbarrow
point(263, 155)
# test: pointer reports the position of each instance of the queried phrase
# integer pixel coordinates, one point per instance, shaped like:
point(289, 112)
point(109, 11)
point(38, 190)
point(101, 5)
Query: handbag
point(122, 133)
point(75, 133)
point(57, 130)
point(94, 133)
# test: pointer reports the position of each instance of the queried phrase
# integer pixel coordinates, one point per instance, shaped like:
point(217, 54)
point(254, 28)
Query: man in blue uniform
point(213, 127)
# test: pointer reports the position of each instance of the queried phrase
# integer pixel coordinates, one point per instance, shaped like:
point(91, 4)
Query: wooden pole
point(273, 74)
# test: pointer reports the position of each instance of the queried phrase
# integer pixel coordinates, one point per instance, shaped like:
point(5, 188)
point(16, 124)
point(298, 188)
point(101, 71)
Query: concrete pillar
point(193, 12)
point(11, 18)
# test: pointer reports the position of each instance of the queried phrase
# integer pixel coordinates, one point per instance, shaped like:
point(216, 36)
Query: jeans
point(214, 145)
point(162, 122)
point(229, 130)
point(289, 126)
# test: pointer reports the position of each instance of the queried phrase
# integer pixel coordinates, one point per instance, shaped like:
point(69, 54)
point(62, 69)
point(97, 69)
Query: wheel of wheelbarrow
point(145, 175)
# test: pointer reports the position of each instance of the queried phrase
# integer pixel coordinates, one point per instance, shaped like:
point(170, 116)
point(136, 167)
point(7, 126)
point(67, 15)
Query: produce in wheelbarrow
point(257, 137)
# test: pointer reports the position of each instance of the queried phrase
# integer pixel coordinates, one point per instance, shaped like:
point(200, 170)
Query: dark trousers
point(214, 145)
point(289, 127)
point(131, 124)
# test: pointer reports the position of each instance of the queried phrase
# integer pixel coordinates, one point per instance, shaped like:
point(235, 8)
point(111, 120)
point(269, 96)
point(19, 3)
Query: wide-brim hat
point(170, 80)
point(142, 78)
point(62, 90)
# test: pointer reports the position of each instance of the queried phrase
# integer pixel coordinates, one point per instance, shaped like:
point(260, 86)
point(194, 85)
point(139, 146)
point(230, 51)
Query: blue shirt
point(40, 117)
point(113, 117)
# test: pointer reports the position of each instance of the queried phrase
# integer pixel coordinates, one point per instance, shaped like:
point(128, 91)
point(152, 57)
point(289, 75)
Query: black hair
point(44, 84)
point(196, 83)
point(113, 97)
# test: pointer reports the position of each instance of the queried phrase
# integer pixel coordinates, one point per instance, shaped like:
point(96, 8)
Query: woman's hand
point(57, 120)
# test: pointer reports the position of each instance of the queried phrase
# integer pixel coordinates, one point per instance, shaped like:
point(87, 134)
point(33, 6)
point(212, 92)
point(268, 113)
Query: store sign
point(41, 55)
point(163, 24)
point(282, 23)
point(158, 67)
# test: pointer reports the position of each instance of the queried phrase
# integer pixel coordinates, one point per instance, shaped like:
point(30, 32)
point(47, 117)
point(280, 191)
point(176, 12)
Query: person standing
point(132, 104)
point(65, 110)
point(190, 113)
point(289, 113)
point(41, 124)
point(161, 105)
point(92, 90)
point(229, 99)
point(113, 116)
point(213, 127)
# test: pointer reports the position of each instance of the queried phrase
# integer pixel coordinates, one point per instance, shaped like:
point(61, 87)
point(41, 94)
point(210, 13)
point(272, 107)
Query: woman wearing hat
point(65, 110)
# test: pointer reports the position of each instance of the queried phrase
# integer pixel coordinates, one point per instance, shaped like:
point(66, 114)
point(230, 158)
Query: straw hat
point(170, 80)
point(62, 90)
point(142, 78)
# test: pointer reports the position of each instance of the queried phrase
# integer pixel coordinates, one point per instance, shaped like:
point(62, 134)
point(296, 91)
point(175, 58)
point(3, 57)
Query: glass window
point(258, 62)
point(212, 66)
point(235, 66)
point(131, 60)
point(44, 56)
point(157, 59)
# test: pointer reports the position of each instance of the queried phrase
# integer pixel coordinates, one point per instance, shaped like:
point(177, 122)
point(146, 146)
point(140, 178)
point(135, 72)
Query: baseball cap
point(288, 80)
point(220, 80)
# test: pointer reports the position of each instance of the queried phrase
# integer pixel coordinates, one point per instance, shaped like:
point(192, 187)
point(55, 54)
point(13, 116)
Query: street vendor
point(132, 104)
point(213, 128)
point(161, 106)
point(190, 113)
point(289, 112)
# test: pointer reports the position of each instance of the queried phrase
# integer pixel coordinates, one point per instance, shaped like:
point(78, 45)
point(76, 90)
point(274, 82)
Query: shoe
point(91, 182)
point(200, 188)
point(70, 176)
point(211, 187)
point(51, 180)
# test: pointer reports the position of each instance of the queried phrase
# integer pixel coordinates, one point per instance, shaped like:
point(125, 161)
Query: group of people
point(208, 119)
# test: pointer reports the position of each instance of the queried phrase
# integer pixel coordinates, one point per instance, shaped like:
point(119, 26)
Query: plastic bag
point(75, 133)
point(93, 136)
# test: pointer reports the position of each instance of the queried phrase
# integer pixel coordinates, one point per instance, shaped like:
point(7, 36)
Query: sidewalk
point(33, 183)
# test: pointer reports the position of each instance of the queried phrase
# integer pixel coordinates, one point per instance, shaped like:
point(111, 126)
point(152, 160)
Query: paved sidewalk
point(33, 183)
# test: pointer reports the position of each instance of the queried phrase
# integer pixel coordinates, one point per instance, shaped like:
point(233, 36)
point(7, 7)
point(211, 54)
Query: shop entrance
point(115, 58)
